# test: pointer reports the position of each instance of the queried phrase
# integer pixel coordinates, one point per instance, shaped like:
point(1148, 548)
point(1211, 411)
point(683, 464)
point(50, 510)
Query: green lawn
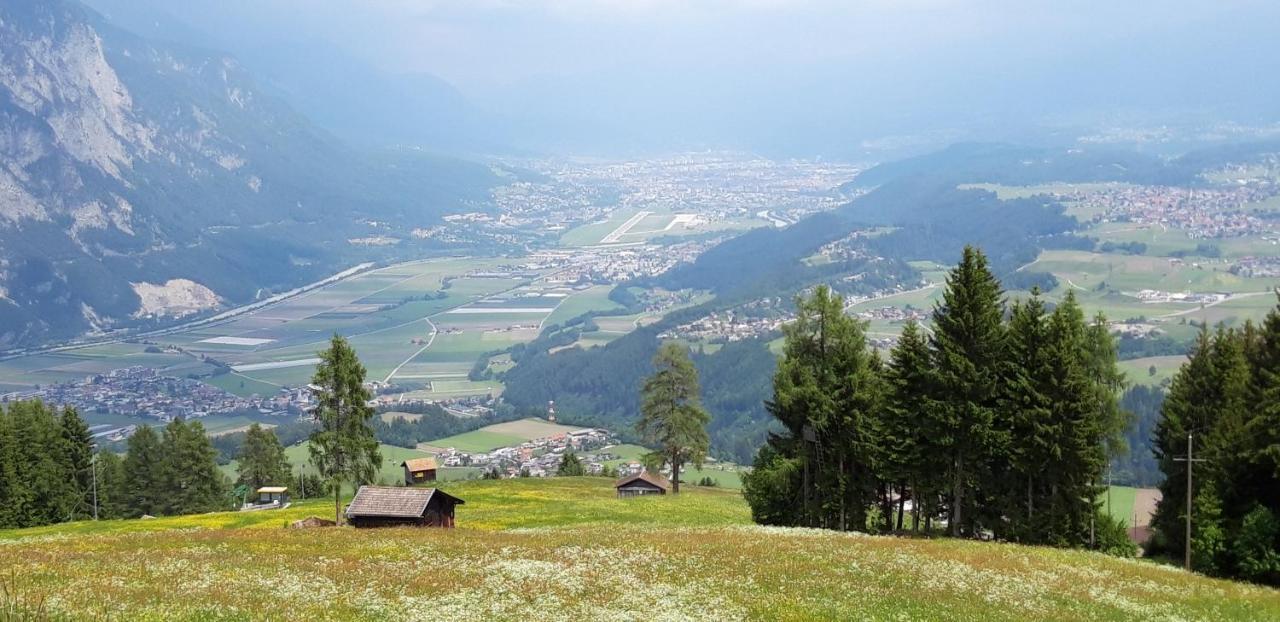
point(569, 549)
point(477, 441)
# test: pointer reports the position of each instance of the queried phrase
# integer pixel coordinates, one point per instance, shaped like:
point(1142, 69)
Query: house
point(385, 506)
point(642, 484)
point(419, 470)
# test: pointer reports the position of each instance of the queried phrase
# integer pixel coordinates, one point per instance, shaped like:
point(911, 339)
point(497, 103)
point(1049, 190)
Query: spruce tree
point(143, 474)
point(191, 481)
point(1027, 413)
point(969, 352)
point(77, 447)
point(261, 461)
point(671, 415)
point(13, 491)
point(343, 448)
point(905, 433)
point(1189, 408)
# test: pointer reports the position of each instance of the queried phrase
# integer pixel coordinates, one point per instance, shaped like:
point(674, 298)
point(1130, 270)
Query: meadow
point(567, 549)
point(505, 434)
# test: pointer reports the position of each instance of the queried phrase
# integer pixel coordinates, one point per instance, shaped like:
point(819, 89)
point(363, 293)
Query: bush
point(1256, 546)
point(1112, 537)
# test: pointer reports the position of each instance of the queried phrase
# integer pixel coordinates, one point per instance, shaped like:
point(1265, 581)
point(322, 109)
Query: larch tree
point(671, 415)
point(343, 448)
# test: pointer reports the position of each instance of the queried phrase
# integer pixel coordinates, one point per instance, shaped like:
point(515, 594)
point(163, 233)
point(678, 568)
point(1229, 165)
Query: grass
point(567, 548)
point(506, 434)
point(477, 441)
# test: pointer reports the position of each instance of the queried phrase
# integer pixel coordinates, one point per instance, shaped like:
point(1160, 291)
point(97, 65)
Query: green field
point(568, 549)
point(402, 320)
point(506, 434)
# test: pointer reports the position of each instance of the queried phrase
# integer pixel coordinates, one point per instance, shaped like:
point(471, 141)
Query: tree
point(906, 454)
point(343, 447)
point(571, 466)
point(671, 416)
point(828, 393)
point(143, 473)
point(261, 461)
point(78, 452)
point(191, 481)
point(968, 353)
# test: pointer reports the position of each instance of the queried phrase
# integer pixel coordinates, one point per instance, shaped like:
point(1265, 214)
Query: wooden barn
point(419, 470)
point(385, 506)
point(642, 484)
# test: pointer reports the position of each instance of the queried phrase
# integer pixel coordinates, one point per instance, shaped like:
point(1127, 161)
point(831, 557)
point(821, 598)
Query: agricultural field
point(567, 548)
point(421, 325)
point(389, 472)
point(498, 435)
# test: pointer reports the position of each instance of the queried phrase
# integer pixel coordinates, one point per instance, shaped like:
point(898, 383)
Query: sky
point(807, 76)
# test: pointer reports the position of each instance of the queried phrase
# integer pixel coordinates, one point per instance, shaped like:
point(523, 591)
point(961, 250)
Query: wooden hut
point(383, 506)
point(642, 484)
point(419, 470)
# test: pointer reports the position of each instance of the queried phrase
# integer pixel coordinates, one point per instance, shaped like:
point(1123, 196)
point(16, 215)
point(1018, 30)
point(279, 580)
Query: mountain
point(142, 179)
point(348, 96)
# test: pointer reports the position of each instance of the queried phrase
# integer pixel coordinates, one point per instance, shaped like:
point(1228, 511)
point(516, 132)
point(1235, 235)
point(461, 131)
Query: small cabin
point(268, 498)
point(387, 506)
point(419, 470)
point(642, 484)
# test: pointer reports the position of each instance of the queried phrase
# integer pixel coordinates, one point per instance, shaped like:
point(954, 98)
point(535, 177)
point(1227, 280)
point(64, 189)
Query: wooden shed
point(642, 484)
point(384, 506)
point(419, 470)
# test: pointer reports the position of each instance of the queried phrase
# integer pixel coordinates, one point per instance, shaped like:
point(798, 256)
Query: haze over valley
point(926, 269)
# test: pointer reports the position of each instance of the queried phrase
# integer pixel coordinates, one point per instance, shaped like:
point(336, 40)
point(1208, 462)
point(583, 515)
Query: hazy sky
point(777, 71)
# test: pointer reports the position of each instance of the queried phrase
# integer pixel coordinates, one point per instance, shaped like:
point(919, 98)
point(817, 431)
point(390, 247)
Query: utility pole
point(93, 465)
point(1190, 460)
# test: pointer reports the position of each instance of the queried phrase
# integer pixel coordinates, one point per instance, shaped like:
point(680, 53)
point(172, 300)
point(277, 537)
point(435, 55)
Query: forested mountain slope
point(127, 165)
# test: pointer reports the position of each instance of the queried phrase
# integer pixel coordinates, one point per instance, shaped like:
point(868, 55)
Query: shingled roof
point(420, 464)
point(651, 478)
point(393, 501)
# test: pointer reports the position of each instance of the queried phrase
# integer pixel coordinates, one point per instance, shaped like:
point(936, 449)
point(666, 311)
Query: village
point(1202, 212)
point(144, 393)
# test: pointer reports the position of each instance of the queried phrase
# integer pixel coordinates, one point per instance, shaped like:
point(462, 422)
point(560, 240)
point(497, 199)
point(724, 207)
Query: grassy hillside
point(568, 549)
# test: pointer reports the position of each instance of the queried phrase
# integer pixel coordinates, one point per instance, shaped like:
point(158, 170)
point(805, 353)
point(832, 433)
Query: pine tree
point(1027, 413)
point(343, 448)
point(113, 488)
point(905, 433)
point(1189, 408)
point(261, 461)
point(1077, 454)
point(13, 491)
point(78, 456)
point(570, 466)
point(671, 415)
point(143, 474)
point(41, 466)
point(969, 353)
point(191, 482)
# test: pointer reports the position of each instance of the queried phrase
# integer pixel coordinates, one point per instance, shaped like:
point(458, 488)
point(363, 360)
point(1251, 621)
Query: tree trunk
point(957, 495)
point(902, 504)
point(675, 477)
point(337, 502)
point(915, 509)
